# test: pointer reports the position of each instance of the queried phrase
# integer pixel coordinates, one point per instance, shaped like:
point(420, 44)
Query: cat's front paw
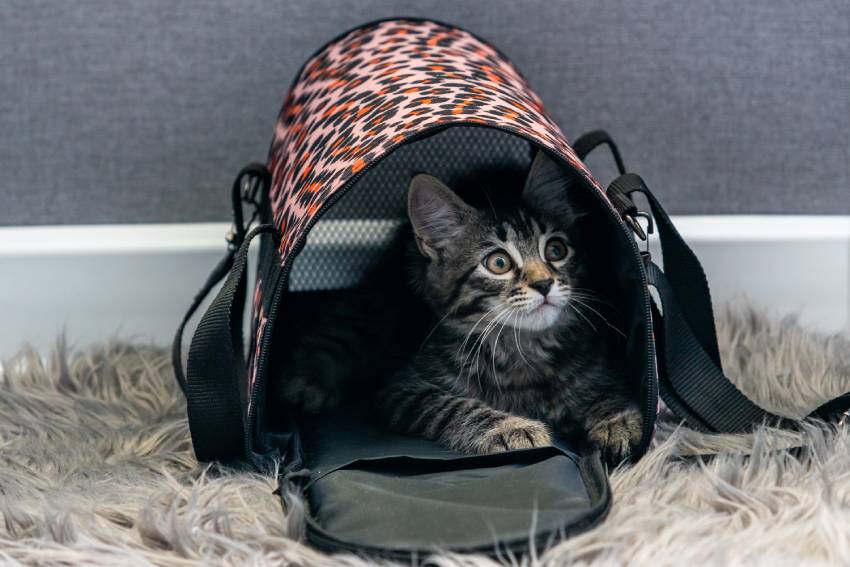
point(310, 397)
point(513, 433)
point(616, 433)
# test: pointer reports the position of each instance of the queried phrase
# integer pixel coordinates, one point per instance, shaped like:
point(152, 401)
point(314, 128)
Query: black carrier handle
point(216, 368)
point(691, 378)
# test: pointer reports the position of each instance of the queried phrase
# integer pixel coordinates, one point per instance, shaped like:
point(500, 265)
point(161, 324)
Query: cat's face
point(516, 267)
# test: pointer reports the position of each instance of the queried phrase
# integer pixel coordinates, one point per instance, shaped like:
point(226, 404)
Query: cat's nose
point(542, 286)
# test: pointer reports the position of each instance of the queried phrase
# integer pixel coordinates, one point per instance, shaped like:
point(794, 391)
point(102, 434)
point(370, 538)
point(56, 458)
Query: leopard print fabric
point(259, 321)
point(379, 86)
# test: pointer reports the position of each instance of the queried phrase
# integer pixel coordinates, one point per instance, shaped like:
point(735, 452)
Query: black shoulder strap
point(251, 181)
point(216, 367)
point(215, 276)
point(589, 141)
point(692, 382)
point(215, 371)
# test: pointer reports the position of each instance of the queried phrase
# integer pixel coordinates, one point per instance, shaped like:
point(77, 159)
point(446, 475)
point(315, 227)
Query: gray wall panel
point(142, 110)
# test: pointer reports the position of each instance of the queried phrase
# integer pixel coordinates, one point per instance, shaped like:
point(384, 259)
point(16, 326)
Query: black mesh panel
point(342, 245)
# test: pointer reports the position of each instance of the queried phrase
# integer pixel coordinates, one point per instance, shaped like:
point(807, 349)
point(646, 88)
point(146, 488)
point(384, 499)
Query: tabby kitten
point(515, 357)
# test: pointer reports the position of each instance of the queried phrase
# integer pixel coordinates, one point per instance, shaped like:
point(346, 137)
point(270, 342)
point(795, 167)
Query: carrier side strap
point(216, 368)
point(697, 389)
point(692, 381)
point(250, 182)
point(215, 276)
point(694, 384)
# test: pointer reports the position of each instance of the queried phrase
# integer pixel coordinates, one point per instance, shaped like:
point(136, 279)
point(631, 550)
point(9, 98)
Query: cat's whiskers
point(516, 338)
point(591, 298)
point(461, 352)
point(480, 343)
point(478, 340)
point(598, 314)
point(496, 345)
point(482, 334)
point(579, 296)
point(440, 322)
point(580, 314)
point(482, 340)
point(469, 334)
point(585, 293)
point(521, 321)
point(490, 202)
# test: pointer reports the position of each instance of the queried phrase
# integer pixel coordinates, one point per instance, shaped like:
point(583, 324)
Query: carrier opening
point(356, 234)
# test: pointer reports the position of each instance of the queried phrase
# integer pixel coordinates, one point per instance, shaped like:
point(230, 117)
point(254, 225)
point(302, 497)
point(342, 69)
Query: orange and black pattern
point(379, 86)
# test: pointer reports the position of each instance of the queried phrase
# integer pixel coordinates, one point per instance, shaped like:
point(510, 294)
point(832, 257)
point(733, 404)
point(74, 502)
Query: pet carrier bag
point(367, 110)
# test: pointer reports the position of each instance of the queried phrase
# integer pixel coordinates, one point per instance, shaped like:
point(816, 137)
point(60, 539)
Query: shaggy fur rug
point(96, 468)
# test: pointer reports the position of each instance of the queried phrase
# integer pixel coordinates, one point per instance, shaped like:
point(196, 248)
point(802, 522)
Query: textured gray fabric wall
point(142, 110)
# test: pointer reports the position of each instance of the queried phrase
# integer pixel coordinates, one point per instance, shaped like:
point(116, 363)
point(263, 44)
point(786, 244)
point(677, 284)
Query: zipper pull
point(619, 193)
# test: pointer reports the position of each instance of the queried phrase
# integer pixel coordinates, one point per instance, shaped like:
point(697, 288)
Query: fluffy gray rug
point(96, 468)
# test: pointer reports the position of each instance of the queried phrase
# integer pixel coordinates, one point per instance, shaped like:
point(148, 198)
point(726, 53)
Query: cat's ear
point(436, 213)
point(548, 188)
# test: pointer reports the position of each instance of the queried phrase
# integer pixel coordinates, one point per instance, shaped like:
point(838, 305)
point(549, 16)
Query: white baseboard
point(791, 264)
point(136, 280)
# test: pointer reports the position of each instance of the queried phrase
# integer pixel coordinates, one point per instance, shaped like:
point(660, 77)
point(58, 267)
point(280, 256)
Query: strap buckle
point(232, 240)
point(631, 219)
point(620, 194)
point(248, 188)
point(633, 223)
point(253, 180)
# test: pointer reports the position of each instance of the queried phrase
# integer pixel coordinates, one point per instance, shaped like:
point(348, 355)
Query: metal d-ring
point(631, 220)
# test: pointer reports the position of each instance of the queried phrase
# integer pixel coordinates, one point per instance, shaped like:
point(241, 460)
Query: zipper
point(651, 402)
point(650, 408)
point(330, 544)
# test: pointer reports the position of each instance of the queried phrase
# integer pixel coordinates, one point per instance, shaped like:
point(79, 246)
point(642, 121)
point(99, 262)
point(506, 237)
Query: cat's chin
point(540, 318)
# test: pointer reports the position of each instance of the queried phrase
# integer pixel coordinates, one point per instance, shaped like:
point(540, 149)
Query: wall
point(141, 111)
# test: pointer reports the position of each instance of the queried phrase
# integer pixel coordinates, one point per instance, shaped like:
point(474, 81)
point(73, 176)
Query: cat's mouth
point(547, 303)
point(543, 305)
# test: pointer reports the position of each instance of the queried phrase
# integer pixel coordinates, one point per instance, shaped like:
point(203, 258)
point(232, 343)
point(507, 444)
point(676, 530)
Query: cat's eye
point(499, 262)
point(555, 250)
